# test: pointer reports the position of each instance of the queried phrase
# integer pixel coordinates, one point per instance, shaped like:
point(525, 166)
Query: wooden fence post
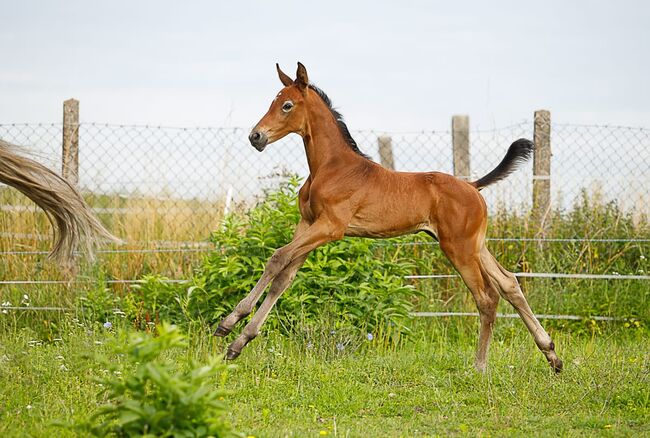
point(70, 159)
point(542, 168)
point(460, 145)
point(386, 152)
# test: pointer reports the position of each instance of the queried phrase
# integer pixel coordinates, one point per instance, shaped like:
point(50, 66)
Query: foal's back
point(388, 203)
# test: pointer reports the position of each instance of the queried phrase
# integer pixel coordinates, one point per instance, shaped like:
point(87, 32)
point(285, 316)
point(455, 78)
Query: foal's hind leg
point(511, 291)
point(468, 264)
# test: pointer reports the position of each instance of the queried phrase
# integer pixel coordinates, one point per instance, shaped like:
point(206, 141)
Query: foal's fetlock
point(556, 364)
point(235, 348)
point(228, 323)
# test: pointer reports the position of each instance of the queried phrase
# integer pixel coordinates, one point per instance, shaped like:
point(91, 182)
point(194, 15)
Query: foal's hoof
point(556, 364)
point(221, 331)
point(232, 354)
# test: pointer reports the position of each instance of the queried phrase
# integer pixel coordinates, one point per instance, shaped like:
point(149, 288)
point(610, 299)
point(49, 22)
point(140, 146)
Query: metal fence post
point(70, 159)
point(386, 152)
point(542, 167)
point(460, 145)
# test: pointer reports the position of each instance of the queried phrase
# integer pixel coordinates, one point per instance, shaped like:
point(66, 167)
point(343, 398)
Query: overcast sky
point(405, 65)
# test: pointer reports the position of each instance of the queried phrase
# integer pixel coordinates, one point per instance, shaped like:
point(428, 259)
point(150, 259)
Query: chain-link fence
point(179, 180)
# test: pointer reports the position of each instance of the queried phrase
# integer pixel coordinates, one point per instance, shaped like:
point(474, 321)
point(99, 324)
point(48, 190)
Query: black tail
point(518, 152)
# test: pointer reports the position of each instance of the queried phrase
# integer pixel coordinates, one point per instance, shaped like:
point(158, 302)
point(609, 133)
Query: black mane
point(339, 121)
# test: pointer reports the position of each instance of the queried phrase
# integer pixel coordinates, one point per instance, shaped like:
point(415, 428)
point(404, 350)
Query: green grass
point(304, 386)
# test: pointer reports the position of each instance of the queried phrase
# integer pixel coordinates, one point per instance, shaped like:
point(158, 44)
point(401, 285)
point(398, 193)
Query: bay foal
point(346, 194)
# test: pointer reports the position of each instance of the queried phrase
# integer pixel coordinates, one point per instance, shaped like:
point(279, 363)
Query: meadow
point(340, 356)
point(425, 386)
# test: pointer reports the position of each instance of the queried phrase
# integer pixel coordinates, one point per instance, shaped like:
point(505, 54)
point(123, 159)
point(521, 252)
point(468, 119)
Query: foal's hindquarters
point(462, 239)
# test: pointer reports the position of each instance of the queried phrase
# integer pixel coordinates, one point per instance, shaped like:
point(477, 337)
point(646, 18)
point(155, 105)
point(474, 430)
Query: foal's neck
point(324, 142)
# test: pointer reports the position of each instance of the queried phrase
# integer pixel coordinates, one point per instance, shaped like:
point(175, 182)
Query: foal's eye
point(286, 107)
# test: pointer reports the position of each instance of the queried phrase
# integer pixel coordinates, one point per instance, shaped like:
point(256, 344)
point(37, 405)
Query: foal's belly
point(384, 230)
point(393, 213)
point(356, 231)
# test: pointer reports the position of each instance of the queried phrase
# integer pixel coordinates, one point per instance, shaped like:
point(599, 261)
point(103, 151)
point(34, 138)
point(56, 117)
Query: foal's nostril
point(258, 139)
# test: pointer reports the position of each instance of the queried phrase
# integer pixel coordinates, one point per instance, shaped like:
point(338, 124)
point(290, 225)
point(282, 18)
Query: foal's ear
point(302, 81)
point(286, 80)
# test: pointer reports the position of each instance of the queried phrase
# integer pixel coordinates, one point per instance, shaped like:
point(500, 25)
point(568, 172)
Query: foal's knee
point(277, 262)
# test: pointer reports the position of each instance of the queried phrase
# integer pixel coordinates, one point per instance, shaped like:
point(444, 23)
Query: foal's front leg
point(306, 239)
point(284, 263)
point(245, 306)
point(280, 283)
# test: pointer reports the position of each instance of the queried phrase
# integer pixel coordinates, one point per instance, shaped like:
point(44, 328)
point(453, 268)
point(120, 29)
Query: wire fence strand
point(515, 315)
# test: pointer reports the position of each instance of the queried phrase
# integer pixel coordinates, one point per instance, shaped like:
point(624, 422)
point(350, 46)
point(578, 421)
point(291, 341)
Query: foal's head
point(287, 113)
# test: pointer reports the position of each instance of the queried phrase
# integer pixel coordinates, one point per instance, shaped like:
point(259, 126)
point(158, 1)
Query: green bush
point(154, 299)
point(150, 396)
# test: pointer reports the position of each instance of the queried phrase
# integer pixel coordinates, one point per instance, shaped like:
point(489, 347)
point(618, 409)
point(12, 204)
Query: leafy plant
point(153, 298)
point(99, 304)
point(150, 396)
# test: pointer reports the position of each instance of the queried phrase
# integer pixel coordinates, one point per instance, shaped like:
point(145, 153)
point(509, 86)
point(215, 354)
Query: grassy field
point(305, 386)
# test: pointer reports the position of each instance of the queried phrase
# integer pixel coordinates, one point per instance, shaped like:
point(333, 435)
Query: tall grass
point(143, 223)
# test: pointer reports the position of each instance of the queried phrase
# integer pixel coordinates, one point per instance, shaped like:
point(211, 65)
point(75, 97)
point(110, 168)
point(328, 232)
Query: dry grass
point(143, 223)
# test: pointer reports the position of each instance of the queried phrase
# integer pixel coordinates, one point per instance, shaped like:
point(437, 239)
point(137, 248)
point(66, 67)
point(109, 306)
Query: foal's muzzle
point(258, 139)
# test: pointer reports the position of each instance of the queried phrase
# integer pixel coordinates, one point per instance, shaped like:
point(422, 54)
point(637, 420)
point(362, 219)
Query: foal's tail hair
point(74, 225)
point(518, 152)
